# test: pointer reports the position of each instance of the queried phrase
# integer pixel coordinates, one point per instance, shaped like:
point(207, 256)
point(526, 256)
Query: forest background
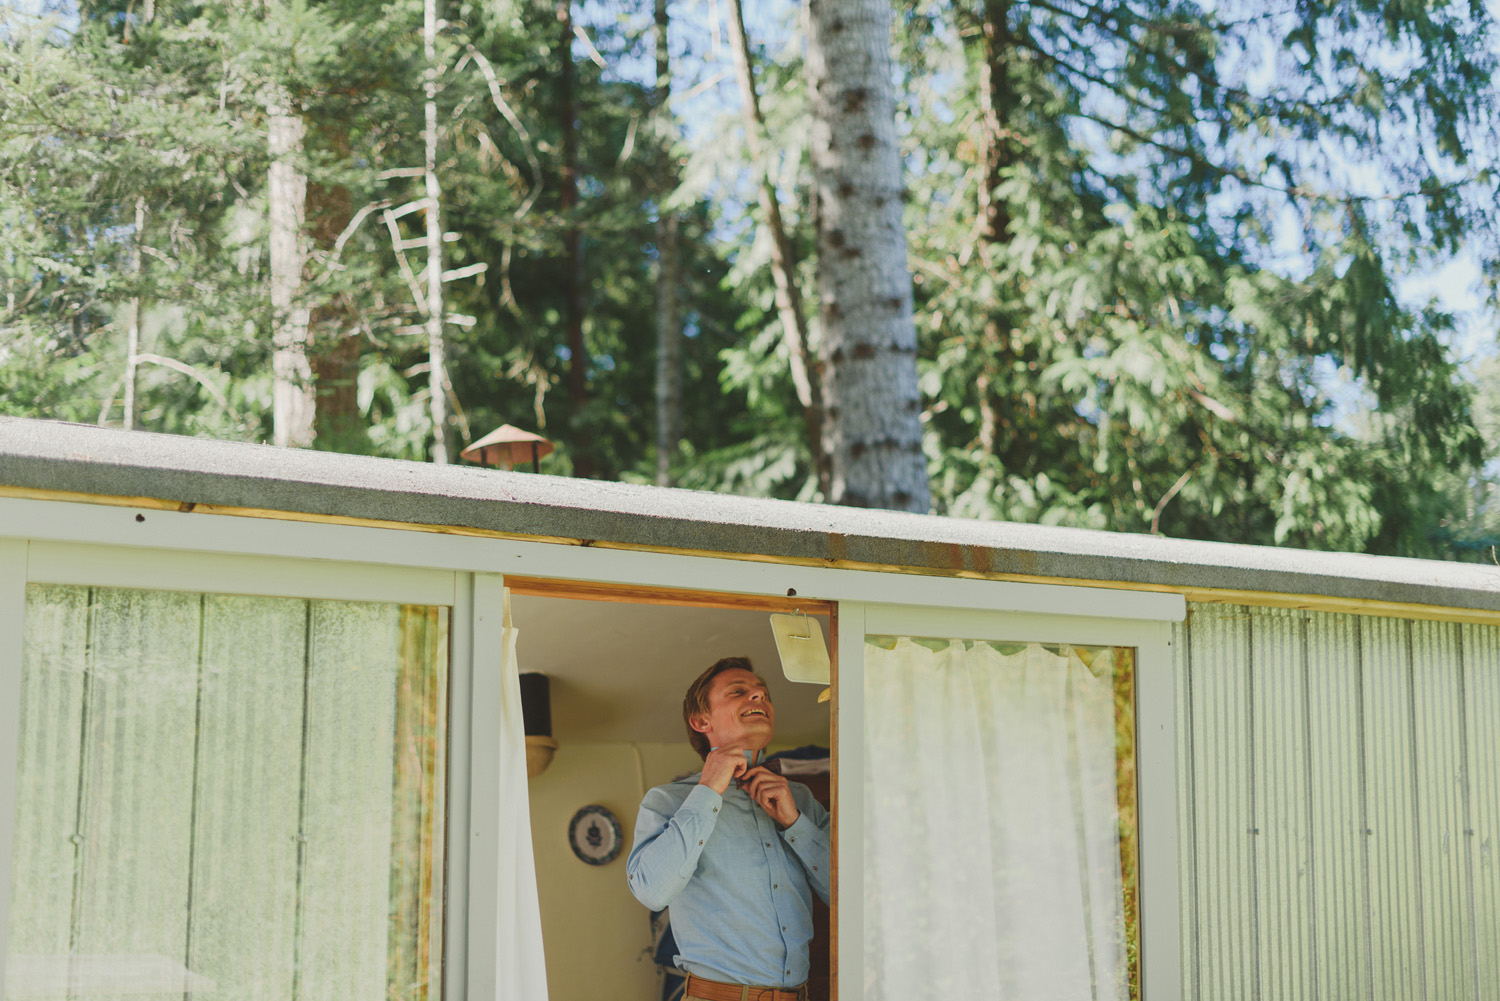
point(1165, 258)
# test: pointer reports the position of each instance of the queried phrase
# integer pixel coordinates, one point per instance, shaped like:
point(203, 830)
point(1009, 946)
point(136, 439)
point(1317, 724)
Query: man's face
point(739, 712)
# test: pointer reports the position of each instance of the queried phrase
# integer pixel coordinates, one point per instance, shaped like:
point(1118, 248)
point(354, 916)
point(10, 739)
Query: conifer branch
point(515, 123)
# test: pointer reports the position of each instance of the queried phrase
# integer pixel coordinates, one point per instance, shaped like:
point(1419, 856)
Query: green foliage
point(1158, 247)
point(1138, 348)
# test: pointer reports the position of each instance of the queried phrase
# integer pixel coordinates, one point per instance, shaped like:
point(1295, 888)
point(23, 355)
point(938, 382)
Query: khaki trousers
point(750, 994)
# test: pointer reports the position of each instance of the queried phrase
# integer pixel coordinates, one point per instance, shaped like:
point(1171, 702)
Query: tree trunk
point(668, 270)
point(998, 152)
point(292, 400)
point(873, 428)
point(668, 346)
point(437, 371)
point(334, 338)
point(137, 270)
point(578, 359)
point(805, 375)
point(133, 333)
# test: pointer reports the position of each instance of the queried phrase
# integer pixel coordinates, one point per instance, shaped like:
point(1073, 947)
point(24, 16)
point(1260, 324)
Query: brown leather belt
point(714, 990)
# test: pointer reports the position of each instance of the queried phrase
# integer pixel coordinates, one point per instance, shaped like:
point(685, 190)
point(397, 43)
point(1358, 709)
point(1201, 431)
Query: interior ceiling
point(619, 670)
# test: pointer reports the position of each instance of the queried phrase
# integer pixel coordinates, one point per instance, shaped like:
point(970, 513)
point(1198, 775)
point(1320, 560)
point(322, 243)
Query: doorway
point(618, 661)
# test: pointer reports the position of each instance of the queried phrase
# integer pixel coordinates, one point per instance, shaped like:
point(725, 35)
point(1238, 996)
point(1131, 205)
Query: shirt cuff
point(702, 800)
point(802, 827)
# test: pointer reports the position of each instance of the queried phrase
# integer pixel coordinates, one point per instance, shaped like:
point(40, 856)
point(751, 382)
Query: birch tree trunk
point(137, 270)
point(292, 399)
point(873, 427)
point(805, 375)
point(437, 371)
point(668, 272)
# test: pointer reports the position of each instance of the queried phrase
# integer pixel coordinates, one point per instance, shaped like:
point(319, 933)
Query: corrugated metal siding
point(1482, 716)
point(1390, 825)
point(1281, 830)
point(1339, 783)
point(1223, 803)
point(1340, 892)
point(1437, 702)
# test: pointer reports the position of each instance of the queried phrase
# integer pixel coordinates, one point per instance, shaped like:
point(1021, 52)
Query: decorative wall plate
point(595, 835)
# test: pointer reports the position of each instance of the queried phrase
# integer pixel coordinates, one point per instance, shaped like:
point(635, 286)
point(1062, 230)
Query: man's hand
point(722, 766)
point(772, 794)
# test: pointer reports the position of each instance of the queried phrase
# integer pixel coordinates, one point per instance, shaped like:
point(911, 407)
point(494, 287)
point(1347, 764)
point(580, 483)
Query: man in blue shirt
point(736, 850)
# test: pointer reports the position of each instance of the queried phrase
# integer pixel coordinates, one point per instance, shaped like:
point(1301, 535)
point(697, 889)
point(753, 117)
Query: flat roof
point(80, 459)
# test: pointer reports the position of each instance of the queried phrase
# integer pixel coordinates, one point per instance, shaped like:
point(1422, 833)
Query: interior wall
point(596, 935)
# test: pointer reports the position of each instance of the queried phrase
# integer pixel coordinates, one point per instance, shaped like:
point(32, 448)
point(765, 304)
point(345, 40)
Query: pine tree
point(1122, 339)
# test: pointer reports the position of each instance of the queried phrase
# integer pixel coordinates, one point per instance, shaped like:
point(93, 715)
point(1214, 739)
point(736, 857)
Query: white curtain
point(991, 824)
point(521, 971)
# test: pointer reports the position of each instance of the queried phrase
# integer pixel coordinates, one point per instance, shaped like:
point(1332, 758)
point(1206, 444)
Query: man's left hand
point(772, 794)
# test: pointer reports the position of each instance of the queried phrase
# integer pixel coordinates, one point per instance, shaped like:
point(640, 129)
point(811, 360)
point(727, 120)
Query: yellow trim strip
point(1215, 595)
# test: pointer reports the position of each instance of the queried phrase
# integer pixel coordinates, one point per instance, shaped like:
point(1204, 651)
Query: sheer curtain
point(991, 824)
point(229, 797)
point(520, 969)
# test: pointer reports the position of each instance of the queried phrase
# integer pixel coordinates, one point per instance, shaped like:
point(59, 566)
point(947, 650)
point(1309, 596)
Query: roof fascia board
point(112, 466)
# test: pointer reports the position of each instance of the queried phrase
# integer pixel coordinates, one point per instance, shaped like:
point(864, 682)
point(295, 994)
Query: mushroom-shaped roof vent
point(508, 446)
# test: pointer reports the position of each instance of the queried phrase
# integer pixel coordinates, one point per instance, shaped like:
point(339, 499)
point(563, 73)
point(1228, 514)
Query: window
point(1000, 814)
point(234, 796)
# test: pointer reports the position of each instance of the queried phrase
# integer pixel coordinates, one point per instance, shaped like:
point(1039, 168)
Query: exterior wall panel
point(1481, 646)
point(1282, 825)
point(1224, 906)
point(1336, 797)
point(1340, 793)
point(1395, 901)
point(1437, 726)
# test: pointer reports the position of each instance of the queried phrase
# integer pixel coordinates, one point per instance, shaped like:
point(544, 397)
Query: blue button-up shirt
point(740, 890)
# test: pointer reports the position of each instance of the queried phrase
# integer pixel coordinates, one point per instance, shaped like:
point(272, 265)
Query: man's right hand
point(722, 766)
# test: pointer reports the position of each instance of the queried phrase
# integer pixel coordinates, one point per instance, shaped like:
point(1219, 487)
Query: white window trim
point(107, 545)
point(1156, 802)
point(227, 573)
point(12, 612)
point(168, 530)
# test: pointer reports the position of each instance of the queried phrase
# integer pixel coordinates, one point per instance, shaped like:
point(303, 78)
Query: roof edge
point(98, 465)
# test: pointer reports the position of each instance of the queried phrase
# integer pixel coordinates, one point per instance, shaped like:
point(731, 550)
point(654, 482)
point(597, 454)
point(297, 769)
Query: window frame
point(24, 562)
